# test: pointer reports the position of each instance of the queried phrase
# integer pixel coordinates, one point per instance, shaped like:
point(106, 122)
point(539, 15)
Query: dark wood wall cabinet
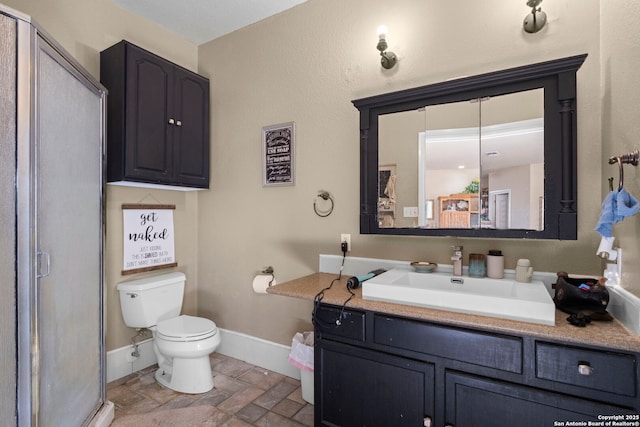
point(157, 119)
point(374, 369)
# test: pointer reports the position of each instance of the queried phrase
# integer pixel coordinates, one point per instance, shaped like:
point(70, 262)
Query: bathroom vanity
point(382, 364)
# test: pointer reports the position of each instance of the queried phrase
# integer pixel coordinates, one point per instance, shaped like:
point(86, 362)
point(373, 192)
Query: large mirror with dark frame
point(492, 155)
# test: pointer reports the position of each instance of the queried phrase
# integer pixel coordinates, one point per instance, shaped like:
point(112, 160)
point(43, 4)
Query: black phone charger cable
point(320, 296)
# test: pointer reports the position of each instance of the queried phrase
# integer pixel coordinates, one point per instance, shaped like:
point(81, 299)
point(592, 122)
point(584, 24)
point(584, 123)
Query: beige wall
point(621, 109)
point(85, 28)
point(306, 65)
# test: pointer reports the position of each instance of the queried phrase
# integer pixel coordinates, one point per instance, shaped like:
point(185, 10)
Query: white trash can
point(301, 356)
point(306, 381)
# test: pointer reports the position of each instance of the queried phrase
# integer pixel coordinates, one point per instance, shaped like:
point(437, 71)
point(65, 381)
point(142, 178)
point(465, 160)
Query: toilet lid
point(183, 327)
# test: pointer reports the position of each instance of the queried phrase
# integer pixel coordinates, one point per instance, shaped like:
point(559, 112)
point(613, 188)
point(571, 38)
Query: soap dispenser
point(524, 271)
point(457, 260)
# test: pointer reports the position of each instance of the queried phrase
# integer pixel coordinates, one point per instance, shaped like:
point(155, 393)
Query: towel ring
point(630, 159)
point(324, 195)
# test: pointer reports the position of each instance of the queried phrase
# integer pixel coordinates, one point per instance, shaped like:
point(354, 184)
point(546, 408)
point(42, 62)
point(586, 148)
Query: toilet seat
point(186, 328)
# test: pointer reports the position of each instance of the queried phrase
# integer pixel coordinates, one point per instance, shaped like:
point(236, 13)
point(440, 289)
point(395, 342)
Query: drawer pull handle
point(585, 369)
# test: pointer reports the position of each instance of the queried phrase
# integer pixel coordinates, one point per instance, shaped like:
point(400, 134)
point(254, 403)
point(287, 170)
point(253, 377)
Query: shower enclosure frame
point(32, 262)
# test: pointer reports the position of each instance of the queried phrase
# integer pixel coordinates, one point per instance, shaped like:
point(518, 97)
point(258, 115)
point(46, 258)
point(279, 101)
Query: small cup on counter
point(495, 264)
point(477, 265)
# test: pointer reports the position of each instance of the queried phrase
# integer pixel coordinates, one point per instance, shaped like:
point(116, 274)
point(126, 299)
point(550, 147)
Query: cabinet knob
point(584, 369)
point(427, 422)
point(178, 123)
point(171, 121)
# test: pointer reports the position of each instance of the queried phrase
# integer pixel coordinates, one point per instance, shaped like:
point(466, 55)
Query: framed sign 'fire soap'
point(278, 154)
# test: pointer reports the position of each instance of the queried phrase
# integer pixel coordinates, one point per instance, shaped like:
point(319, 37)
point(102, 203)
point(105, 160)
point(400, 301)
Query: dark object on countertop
point(579, 320)
point(355, 281)
point(584, 298)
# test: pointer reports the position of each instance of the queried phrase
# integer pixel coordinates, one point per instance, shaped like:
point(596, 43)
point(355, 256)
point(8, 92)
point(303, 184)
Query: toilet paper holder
point(269, 270)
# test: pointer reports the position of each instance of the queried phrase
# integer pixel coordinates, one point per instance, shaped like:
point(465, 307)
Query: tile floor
point(244, 395)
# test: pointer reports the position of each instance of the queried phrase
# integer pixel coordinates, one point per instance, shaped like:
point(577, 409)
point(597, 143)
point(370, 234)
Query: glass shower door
point(68, 325)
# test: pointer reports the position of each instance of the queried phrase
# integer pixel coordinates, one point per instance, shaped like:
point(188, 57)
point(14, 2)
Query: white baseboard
point(259, 352)
point(256, 351)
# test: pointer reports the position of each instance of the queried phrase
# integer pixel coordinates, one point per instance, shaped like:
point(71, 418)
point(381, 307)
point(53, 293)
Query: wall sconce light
point(387, 59)
point(534, 21)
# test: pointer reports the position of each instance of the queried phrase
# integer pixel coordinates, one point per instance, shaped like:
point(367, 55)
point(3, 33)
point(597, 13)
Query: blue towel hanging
point(616, 206)
point(626, 205)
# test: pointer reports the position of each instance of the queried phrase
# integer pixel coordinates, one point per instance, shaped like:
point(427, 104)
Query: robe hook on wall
point(629, 159)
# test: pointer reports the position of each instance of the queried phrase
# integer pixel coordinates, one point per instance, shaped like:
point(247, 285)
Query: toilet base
point(192, 376)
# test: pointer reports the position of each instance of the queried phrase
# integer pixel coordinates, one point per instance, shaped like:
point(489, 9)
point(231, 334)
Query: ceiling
point(201, 21)
point(501, 146)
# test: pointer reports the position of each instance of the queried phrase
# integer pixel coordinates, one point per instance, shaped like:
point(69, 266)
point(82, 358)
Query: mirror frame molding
point(557, 77)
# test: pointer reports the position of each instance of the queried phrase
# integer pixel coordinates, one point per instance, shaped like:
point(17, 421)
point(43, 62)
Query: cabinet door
point(357, 387)
point(191, 129)
point(478, 402)
point(455, 219)
point(148, 97)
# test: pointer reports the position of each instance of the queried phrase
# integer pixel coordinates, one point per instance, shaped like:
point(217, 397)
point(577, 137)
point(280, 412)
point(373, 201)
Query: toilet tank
point(145, 302)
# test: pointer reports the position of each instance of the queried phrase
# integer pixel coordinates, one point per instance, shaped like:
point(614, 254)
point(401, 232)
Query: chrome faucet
point(457, 260)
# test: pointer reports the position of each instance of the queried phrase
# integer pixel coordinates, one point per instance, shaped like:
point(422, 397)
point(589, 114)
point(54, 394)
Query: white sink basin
point(503, 298)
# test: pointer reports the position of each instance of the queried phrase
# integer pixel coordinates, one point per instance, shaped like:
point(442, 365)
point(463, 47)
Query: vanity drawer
point(599, 370)
point(333, 320)
point(464, 345)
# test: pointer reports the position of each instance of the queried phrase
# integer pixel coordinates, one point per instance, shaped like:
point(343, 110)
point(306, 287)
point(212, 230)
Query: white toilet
point(182, 343)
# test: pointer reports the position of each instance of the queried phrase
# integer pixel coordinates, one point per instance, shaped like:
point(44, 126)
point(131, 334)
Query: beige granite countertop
point(603, 334)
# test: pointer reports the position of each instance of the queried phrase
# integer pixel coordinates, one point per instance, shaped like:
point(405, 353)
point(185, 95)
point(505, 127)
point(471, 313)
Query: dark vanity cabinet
point(374, 369)
point(158, 119)
point(368, 389)
point(355, 386)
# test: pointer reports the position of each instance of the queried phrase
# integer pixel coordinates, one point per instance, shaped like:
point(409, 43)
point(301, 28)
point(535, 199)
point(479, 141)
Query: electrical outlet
point(346, 238)
point(410, 212)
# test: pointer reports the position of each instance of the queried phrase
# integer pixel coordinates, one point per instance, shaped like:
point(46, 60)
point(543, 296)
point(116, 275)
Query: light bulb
point(382, 32)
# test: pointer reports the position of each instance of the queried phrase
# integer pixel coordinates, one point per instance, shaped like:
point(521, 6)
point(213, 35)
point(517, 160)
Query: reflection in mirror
point(512, 159)
point(449, 162)
point(476, 164)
